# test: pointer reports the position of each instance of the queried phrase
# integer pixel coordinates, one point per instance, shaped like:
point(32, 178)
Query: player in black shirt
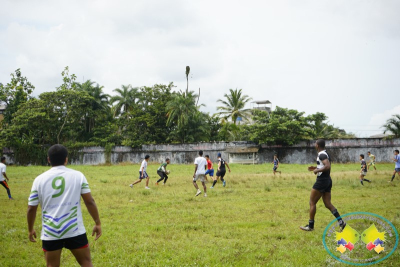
point(364, 170)
point(322, 187)
point(221, 170)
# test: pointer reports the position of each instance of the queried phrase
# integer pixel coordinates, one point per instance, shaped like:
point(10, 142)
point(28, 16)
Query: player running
point(396, 159)
point(162, 172)
point(199, 173)
point(210, 168)
point(3, 177)
point(371, 160)
point(143, 173)
point(322, 187)
point(59, 191)
point(221, 170)
point(364, 170)
point(276, 164)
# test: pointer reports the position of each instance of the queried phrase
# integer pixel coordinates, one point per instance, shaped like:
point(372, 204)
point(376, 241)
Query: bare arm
point(31, 216)
point(5, 176)
point(327, 167)
point(227, 165)
point(92, 208)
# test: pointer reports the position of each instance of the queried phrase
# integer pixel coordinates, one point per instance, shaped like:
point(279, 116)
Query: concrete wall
point(343, 151)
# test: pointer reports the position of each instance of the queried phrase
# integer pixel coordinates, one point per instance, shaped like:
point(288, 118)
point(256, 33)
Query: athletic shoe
point(156, 183)
point(147, 187)
point(198, 193)
point(212, 187)
point(223, 183)
point(306, 228)
point(205, 194)
point(342, 226)
point(131, 185)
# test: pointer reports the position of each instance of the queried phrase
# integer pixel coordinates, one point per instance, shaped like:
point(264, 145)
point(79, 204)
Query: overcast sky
point(337, 57)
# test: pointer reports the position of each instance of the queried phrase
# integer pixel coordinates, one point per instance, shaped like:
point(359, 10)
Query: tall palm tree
point(180, 108)
point(392, 125)
point(126, 98)
point(234, 105)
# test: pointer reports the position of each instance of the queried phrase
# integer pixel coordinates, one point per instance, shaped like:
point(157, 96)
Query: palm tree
point(234, 105)
point(392, 125)
point(180, 110)
point(126, 98)
point(99, 104)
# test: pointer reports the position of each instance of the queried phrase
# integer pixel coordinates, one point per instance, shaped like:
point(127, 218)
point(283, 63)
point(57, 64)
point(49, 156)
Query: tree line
point(81, 114)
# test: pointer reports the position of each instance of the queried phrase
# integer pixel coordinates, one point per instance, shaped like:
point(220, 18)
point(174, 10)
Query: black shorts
point(275, 167)
point(323, 185)
point(162, 174)
point(221, 174)
point(75, 242)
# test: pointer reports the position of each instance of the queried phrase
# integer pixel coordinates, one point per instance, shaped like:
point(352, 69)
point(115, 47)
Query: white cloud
point(336, 57)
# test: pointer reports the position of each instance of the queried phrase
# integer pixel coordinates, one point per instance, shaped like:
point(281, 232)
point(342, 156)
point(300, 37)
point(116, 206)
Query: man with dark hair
point(210, 168)
point(162, 172)
point(276, 164)
point(364, 170)
point(3, 177)
point(396, 160)
point(143, 173)
point(59, 191)
point(200, 173)
point(371, 160)
point(322, 187)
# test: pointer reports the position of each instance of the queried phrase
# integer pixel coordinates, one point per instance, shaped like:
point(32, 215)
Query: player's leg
point(147, 182)
point(53, 258)
point(364, 179)
point(82, 256)
point(215, 181)
point(165, 178)
point(361, 179)
point(205, 187)
point(314, 197)
point(196, 186)
point(4, 183)
point(161, 174)
point(222, 179)
point(326, 197)
point(374, 166)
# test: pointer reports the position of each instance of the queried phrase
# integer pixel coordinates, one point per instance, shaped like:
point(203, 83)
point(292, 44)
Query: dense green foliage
point(81, 114)
point(392, 126)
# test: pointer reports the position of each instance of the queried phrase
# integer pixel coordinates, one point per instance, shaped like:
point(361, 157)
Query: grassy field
point(253, 221)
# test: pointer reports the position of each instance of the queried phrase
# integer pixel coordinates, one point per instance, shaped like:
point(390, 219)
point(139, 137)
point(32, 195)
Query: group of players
point(203, 167)
point(59, 190)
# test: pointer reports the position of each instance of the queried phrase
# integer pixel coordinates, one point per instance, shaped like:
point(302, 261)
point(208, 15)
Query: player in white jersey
point(322, 187)
point(59, 191)
point(143, 173)
point(3, 177)
point(200, 173)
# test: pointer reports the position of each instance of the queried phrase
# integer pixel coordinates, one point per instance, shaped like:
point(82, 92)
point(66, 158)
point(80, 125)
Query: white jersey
point(59, 193)
point(143, 166)
point(321, 157)
point(201, 165)
point(3, 168)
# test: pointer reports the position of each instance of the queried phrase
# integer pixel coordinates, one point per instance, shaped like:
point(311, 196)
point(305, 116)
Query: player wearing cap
point(222, 164)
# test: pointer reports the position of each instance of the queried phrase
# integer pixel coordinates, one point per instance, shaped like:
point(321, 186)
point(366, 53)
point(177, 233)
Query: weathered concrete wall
point(340, 150)
point(343, 151)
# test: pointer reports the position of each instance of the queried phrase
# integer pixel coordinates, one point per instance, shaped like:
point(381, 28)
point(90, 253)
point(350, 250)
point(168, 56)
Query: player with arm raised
point(322, 187)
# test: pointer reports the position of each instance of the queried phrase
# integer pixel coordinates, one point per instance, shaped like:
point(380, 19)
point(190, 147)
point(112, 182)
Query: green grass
point(254, 221)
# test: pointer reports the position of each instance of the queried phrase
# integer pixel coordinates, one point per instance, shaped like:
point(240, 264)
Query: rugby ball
point(168, 172)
